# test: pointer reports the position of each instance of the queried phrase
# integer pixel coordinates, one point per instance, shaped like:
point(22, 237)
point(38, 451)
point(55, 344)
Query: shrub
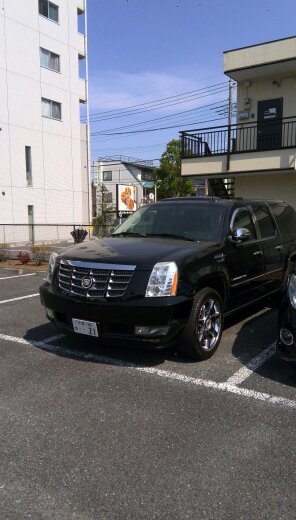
point(4, 252)
point(24, 257)
point(40, 253)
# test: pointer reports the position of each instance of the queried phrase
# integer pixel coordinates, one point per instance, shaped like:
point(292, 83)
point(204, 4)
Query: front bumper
point(287, 320)
point(117, 320)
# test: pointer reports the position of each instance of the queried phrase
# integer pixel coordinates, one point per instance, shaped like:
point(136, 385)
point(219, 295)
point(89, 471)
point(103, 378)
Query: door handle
point(278, 248)
point(258, 253)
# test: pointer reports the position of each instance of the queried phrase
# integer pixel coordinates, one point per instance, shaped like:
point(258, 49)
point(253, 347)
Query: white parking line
point(224, 387)
point(20, 298)
point(16, 276)
point(252, 366)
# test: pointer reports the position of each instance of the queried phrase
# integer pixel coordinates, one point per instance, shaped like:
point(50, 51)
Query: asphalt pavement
point(94, 433)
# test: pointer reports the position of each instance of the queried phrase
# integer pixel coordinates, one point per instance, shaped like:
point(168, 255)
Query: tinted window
point(265, 222)
point(193, 221)
point(243, 220)
point(286, 220)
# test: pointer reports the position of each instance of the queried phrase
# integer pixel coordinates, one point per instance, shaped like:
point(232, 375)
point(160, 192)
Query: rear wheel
point(202, 333)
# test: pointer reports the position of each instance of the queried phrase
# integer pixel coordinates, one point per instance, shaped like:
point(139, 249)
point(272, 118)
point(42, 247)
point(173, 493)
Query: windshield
point(199, 222)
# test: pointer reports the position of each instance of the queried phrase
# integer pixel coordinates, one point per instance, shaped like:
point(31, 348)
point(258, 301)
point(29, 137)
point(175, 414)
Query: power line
point(160, 128)
point(158, 103)
point(163, 117)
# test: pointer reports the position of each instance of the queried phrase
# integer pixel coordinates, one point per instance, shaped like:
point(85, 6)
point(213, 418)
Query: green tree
point(167, 177)
point(103, 222)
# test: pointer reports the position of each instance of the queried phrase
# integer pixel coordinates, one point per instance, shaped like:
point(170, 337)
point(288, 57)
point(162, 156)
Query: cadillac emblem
point(86, 282)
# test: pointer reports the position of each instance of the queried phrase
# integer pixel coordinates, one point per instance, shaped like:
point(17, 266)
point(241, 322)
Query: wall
point(277, 186)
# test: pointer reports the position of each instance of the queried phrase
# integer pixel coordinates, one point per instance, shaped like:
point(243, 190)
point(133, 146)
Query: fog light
point(286, 337)
point(49, 313)
point(150, 331)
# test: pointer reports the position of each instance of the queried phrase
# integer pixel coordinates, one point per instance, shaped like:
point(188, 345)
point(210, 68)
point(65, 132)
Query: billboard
point(126, 198)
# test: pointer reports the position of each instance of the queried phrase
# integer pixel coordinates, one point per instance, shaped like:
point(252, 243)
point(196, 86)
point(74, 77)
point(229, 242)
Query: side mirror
point(240, 235)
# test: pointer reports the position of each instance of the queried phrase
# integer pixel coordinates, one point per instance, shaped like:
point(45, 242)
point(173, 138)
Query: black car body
point(286, 342)
point(172, 271)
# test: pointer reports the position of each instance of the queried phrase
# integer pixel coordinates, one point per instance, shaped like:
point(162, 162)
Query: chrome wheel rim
point(209, 324)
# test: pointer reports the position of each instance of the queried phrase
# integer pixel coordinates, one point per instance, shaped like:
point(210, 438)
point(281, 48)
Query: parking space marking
point(252, 366)
point(17, 276)
point(225, 387)
point(20, 298)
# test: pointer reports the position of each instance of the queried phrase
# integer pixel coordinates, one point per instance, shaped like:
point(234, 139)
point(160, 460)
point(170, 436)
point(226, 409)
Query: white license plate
point(85, 327)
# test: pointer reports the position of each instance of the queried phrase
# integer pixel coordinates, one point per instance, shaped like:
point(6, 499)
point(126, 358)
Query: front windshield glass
point(200, 222)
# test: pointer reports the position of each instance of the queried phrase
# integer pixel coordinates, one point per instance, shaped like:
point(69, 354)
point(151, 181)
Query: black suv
point(172, 271)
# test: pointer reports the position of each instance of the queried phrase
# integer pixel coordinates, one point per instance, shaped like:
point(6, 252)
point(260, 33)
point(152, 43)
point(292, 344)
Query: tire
point(202, 333)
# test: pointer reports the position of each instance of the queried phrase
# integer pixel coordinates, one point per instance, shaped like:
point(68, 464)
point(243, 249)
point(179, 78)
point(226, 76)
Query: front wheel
point(202, 333)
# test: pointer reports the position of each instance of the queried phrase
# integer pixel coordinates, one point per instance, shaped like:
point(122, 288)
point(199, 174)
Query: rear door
point(272, 246)
point(244, 262)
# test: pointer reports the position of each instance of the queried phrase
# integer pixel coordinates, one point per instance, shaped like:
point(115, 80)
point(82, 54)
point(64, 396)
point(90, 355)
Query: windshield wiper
point(171, 235)
point(126, 233)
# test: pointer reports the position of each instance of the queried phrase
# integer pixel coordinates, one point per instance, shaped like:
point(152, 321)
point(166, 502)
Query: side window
point(286, 220)
point(266, 225)
point(242, 219)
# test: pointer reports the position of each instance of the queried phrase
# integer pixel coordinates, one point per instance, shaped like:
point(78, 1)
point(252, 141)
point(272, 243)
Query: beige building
point(255, 156)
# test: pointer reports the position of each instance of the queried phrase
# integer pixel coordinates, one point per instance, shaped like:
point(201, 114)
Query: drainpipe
point(87, 116)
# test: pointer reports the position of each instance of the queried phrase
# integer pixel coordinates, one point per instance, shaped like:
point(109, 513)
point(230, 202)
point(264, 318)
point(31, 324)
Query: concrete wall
point(59, 192)
point(264, 89)
point(280, 186)
point(259, 54)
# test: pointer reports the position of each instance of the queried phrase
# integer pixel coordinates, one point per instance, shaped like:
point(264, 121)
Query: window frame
point(48, 2)
point(251, 215)
point(107, 171)
point(51, 101)
point(107, 195)
point(28, 159)
point(51, 53)
point(275, 234)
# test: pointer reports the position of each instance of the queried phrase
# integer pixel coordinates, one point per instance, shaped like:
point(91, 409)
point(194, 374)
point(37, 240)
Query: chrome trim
point(97, 265)
point(255, 277)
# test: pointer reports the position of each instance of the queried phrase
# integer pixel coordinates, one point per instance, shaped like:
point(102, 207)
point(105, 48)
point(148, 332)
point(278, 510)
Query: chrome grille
point(108, 280)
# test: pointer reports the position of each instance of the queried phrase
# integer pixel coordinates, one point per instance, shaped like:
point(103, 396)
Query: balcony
point(239, 148)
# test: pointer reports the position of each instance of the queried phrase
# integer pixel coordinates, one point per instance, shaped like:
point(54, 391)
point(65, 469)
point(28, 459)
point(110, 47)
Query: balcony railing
point(239, 138)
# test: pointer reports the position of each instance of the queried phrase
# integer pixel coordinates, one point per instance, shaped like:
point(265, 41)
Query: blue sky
point(167, 57)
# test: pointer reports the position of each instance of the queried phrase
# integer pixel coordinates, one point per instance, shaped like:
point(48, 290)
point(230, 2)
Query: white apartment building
point(44, 149)
point(121, 170)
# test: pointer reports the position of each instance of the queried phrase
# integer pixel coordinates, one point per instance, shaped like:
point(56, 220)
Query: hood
point(142, 252)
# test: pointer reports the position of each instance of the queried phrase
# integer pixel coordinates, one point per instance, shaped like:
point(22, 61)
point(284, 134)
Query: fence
point(29, 234)
point(239, 138)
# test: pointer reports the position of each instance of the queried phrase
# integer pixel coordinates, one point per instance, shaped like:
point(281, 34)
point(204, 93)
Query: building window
point(31, 223)
point(49, 10)
point(49, 60)
point(107, 176)
point(28, 156)
point(81, 21)
point(107, 198)
point(81, 66)
point(51, 109)
point(146, 176)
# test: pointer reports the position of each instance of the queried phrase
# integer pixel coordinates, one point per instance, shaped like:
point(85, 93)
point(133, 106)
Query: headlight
point(292, 290)
point(163, 280)
point(51, 266)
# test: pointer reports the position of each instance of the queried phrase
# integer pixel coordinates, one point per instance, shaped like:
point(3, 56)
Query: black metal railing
point(239, 138)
